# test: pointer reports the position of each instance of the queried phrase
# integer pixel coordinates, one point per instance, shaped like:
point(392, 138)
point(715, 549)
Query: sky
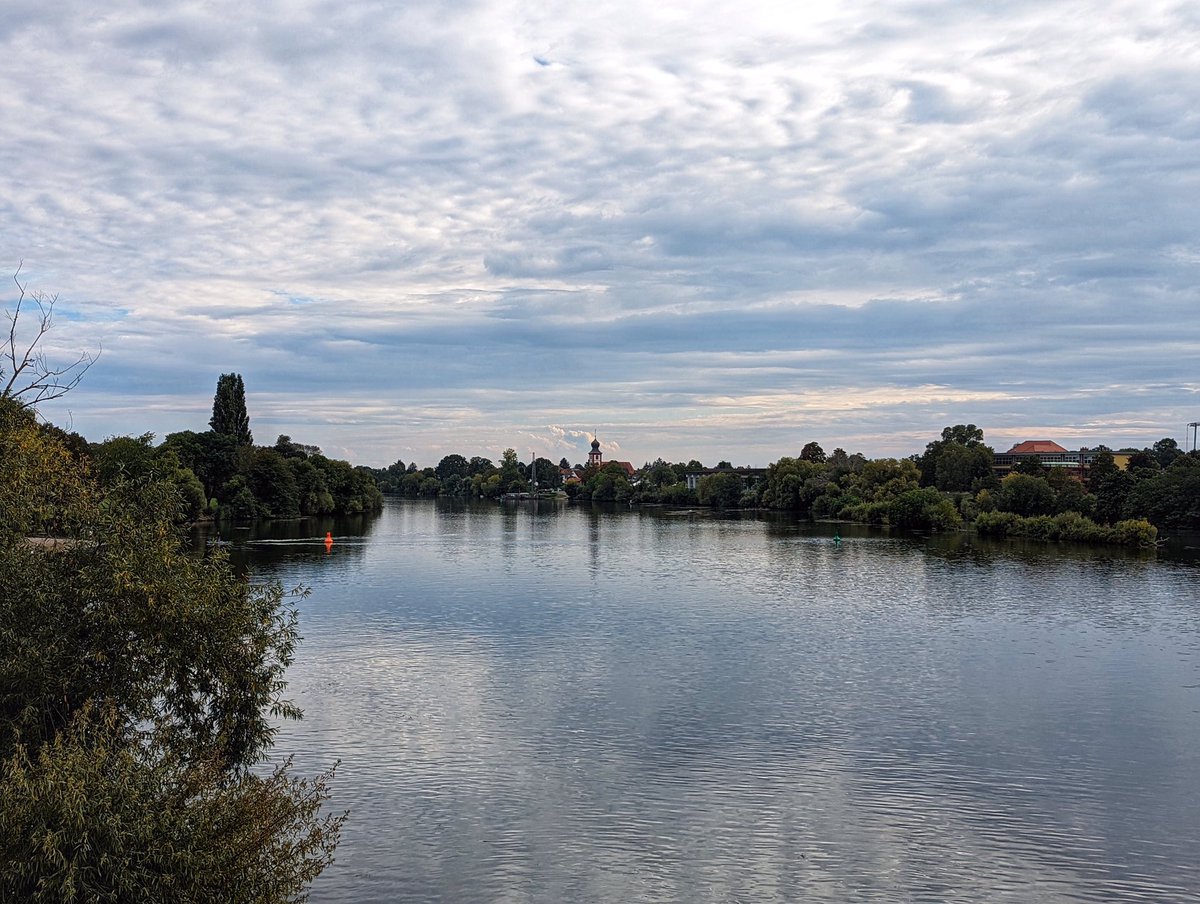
point(712, 230)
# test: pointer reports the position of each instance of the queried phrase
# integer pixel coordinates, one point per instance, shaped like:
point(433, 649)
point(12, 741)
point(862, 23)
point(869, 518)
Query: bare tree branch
point(31, 378)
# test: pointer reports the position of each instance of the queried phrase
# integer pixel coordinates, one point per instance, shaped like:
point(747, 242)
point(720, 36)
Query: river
point(548, 703)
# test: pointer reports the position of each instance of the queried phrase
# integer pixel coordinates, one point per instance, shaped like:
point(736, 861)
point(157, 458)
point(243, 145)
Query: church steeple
point(595, 457)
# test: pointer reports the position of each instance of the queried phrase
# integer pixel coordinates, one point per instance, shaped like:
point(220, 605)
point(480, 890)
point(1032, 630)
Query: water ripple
point(579, 706)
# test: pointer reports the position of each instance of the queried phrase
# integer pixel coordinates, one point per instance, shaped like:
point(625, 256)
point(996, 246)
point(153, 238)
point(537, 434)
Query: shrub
point(994, 524)
point(1138, 532)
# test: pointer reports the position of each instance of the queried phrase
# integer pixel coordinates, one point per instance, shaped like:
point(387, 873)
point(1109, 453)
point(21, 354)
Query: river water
point(549, 703)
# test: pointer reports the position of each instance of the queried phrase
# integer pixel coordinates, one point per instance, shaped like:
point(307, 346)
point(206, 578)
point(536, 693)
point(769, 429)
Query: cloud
point(446, 226)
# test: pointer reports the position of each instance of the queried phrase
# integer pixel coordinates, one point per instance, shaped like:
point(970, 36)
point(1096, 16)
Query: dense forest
point(950, 485)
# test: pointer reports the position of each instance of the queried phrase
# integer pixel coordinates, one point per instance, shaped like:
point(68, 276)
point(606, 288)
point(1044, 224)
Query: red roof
point(1035, 447)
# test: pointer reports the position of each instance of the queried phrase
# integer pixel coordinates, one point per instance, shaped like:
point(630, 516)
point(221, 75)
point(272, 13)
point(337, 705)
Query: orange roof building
point(1052, 455)
point(1036, 447)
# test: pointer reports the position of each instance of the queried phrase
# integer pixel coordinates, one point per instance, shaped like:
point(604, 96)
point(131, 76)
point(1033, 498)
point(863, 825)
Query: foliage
point(952, 482)
point(1111, 494)
point(1102, 467)
point(91, 817)
point(1066, 526)
point(220, 472)
point(786, 484)
point(720, 490)
point(1030, 465)
point(607, 484)
point(813, 452)
point(1166, 451)
point(229, 415)
point(273, 482)
point(42, 486)
point(135, 458)
point(925, 509)
point(1170, 498)
point(678, 494)
point(1026, 495)
point(957, 462)
point(452, 466)
point(137, 690)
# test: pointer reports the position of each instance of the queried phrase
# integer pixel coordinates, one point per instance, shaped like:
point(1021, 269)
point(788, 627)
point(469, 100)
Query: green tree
point(1069, 493)
point(124, 457)
point(1024, 494)
point(1111, 492)
point(1030, 465)
point(882, 479)
point(1169, 499)
point(480, 465)
point(659, 474)
point(274, 485)
point(958, 462)
point(314, 495)
point(963, 434)
point(720, 490)
point(962, 468)
point(137, 689)
point(1166, 450)
point(922, 509)
point(229, 415)
point(289, 449)
point(813, 452)
point(547, 474)
point(452, 466)
point(1102, 467)
point(1143, 464)
point(213, 457)
point(511, 478)
point(607, 484)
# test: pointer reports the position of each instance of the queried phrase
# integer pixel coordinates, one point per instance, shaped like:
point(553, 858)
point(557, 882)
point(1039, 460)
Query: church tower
point(595, 456)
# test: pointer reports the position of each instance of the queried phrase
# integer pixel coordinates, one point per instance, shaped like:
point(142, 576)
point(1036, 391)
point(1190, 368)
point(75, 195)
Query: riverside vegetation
point(139, 691)
point(220, 473)
point(951, 485)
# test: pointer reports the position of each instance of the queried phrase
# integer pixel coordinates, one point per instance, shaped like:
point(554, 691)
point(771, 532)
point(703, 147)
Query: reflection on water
point(554, 703)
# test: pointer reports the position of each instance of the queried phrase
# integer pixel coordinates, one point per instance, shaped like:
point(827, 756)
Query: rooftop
point(1036, 447)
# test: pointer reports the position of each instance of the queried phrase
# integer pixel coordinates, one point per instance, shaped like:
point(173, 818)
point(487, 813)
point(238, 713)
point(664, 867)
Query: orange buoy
point(328, 541)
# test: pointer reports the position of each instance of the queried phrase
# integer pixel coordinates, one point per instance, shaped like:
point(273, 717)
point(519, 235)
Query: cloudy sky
point(705, 229)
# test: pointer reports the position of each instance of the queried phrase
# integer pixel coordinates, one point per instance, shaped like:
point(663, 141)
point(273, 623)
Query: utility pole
point(1193, 425)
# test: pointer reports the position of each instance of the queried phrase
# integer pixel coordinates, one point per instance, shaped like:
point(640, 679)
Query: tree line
point(219, 473)
point(479, 477)
point(951, 484)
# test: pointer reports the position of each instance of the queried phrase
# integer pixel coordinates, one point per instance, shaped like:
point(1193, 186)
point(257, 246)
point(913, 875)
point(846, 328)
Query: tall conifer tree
point(229, 410)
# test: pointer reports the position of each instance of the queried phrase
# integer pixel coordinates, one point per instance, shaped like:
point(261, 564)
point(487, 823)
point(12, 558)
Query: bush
point(1070, 526)
point(995, 524)
point(1137, 532)
point(924, 509)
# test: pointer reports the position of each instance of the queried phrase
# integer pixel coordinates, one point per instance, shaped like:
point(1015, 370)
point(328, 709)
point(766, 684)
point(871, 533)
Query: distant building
point(1052, 455)
point(596, 460)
